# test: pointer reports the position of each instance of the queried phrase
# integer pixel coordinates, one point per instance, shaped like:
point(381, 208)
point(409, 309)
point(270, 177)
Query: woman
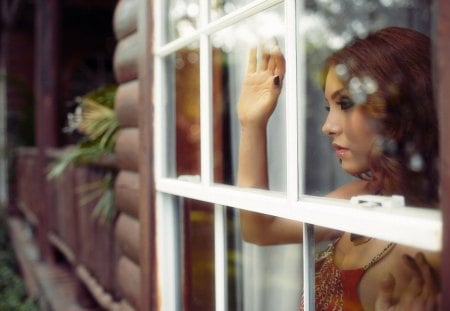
point(382, 123)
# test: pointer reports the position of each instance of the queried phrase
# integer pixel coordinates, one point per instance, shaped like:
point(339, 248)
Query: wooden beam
point(126, 189)
point(129, 280)
point(442, 70)
point(125, 18)
point(127, 235)
point(127, 149)
point(127, 104)
point(46, 99)
point(149, 289)
point(126, 58)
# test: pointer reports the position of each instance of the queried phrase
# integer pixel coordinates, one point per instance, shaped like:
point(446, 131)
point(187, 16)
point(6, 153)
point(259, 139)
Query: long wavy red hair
point(404, 158)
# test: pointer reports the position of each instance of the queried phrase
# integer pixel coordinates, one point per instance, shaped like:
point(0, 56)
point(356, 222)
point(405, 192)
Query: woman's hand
point(261, 87)
point(422, 292)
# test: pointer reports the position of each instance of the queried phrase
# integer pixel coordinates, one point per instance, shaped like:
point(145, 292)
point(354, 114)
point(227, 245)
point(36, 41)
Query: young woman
point(382, 122)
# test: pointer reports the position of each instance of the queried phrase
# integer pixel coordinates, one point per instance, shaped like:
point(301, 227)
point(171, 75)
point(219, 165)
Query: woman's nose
point(330, 127)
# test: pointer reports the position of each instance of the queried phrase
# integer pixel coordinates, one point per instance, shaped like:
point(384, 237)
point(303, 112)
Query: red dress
point(337, 289)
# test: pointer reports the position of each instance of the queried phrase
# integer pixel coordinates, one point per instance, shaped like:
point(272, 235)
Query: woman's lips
point(340, 151)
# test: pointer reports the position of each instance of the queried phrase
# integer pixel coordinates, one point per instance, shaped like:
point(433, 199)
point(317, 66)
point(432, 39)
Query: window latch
point(376, 201)
point(190, 178)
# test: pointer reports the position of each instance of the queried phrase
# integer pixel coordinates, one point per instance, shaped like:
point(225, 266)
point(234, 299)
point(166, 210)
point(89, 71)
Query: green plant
point(13, 295)
point(95, 119)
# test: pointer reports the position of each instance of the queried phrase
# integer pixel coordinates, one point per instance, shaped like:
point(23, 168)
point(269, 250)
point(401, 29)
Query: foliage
point(96, 120)
point(102, 191)
point(13, 295)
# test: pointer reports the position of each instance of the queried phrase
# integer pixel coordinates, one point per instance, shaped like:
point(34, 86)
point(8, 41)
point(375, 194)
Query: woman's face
point(347, 126)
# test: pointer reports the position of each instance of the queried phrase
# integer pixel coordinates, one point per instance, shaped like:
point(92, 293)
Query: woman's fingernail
point(276, 80)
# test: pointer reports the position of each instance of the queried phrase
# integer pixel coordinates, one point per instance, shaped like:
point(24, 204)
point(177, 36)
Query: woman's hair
point(389, 73)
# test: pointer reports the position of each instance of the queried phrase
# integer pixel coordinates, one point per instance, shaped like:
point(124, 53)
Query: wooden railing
point(88, 245)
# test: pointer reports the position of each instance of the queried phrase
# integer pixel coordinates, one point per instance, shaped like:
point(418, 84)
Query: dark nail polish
point(276, 80)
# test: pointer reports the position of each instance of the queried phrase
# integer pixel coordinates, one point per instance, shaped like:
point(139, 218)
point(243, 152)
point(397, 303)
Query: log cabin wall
point(442, 75)
point(127, 186)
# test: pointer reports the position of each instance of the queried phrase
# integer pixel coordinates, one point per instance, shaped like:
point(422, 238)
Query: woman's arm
point(259, 95)
point(258, 99)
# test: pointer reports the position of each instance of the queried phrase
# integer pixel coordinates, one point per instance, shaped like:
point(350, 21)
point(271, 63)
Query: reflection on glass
point(380, 118)
point(231, 46)
point(381, 123)
point(184, 112)
point(197, 258)
point(219, 8)
point(198, 254)
point(183, 17)
point(327, 26)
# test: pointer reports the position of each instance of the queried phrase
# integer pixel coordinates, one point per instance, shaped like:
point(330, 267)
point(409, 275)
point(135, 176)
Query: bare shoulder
point(356, 187)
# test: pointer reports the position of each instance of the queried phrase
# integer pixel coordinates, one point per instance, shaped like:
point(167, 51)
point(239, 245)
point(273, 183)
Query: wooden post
point(442, 70)
point(46, 103)
point(149, 292)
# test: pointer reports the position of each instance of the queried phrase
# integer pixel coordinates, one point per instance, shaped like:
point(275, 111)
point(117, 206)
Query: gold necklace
point(358, 239)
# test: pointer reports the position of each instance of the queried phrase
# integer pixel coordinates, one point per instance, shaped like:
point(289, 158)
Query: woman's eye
point(345, 103)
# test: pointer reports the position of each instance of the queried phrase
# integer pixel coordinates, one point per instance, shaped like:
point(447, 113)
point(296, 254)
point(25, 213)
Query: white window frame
point(420, 228)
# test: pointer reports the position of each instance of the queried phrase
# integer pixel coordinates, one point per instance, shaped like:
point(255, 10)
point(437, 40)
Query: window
point(200, 58)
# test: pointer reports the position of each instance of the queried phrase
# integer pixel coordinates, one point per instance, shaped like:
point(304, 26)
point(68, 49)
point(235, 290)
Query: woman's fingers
point(277, 64)
point(385, 299)
point(421, 292)
point(265, 58)
point(429, 276)
point(271, 61)
point(251, 67)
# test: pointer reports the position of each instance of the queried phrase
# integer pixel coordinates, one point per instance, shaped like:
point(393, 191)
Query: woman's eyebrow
point(335, 94)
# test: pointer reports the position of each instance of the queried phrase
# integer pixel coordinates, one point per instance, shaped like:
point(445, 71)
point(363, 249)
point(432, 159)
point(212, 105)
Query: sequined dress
point(337, 289)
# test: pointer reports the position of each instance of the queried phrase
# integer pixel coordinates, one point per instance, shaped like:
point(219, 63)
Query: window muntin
point(425, 224)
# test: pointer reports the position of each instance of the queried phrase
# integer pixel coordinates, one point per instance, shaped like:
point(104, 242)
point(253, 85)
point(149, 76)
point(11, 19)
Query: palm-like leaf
point(99, 126)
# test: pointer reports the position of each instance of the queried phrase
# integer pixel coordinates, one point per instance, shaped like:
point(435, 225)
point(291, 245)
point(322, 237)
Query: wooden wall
point(442, 71)
point(128, 270)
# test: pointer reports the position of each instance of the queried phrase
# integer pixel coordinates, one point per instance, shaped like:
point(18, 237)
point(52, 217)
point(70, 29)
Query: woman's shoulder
point(355, 187)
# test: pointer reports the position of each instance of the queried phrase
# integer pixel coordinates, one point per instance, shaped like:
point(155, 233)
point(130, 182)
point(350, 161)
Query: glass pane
point(272, 276)
point(183, 17)
point(220, 8)
point(231, 47)
point(183, 111)
point(327, 26)
point(198, 255)
point(197, 251)
point(378, 94)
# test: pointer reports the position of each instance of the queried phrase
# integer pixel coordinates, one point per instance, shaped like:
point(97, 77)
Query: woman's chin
point(352, 169)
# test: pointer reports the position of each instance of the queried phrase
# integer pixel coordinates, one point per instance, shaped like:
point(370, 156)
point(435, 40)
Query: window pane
point(327, 26)
point(197, 240)
point(220, 8)
point(272, 277)
point(231, 46)
point(198, 255)
point(183, 112)
point(183, 17)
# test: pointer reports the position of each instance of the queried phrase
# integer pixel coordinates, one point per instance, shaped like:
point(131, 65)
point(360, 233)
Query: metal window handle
point(378, 201)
